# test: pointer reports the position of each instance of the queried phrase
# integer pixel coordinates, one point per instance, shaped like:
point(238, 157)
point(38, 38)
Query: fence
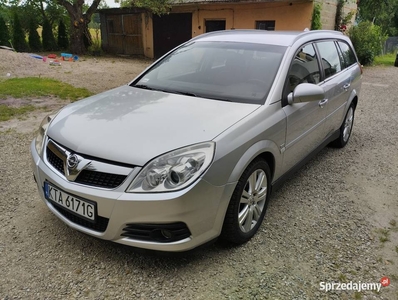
point(391, 45)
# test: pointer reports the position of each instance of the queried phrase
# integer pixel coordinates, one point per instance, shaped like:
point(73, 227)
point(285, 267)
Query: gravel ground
point(94, 73)
point(333, 222)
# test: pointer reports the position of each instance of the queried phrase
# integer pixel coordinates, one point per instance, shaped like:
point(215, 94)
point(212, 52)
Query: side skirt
point(278, 183)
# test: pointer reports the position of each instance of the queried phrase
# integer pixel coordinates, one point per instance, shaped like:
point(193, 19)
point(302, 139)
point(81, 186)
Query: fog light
point(167, 234)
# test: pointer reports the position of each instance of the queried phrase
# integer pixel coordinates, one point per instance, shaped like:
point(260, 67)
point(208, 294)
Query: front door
point(305, 121)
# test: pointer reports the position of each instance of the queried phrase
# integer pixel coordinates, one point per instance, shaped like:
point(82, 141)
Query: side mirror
point(306, 92)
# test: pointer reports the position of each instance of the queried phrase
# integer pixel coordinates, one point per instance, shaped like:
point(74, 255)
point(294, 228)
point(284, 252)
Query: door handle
point(346, 86)
point(323, 102)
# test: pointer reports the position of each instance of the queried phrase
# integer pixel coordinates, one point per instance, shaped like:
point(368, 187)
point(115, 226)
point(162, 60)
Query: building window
point(214, 25)
point(265, 25)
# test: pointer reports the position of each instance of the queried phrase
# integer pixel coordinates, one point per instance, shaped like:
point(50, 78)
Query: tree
point(34, 38)
point(78, 17)
point(4, 33)
point(381, 13)
point(368, 41)
point(157, 7)
point(18, 36)
point(49, 43)
point(63, 41)
point(316, 23)
point(79, 22)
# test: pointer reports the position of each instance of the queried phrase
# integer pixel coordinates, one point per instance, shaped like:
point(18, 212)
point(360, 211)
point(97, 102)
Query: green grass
point(342, 278)
point(37, 87)
point(384, 235)
point(385, 60)
point(357, 295)
point(7, 112)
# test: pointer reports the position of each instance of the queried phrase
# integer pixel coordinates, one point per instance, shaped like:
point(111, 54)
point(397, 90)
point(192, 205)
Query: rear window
point(348, 55)
point(229, 71)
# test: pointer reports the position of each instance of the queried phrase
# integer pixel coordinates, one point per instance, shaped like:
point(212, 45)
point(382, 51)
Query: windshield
point(238, 72)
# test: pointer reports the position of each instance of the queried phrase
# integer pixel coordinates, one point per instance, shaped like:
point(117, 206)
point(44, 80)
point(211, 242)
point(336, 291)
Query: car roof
point(279, 38)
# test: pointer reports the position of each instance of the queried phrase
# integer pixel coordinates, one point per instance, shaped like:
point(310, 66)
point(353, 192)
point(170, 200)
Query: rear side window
point(348, 55)
point(330, 58)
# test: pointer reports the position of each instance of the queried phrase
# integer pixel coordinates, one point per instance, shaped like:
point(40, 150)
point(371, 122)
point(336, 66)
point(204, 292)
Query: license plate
point(78, 206)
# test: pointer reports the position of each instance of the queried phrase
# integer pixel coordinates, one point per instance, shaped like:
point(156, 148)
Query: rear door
point(337, 84)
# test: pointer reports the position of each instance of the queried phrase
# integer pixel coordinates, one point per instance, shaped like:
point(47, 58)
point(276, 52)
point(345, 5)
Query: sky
point(111, 3)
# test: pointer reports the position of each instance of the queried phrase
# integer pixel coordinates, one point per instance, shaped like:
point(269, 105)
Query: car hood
point(132, 126)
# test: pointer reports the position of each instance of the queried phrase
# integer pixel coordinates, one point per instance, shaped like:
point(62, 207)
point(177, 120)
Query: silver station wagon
point(190, 150)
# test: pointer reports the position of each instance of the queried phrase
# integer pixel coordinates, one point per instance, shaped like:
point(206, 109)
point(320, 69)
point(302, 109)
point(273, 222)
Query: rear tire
point(248, 203)
point(345, 129)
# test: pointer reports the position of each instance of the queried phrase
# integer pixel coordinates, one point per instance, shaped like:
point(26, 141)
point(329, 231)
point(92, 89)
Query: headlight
point(174, 170)
point(41, 133)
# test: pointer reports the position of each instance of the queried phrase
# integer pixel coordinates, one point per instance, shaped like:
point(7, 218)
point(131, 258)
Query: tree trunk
point(79, 23)
point(76, 38)
point(79, 33)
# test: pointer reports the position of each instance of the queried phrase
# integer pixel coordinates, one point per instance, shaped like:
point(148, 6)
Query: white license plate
point(75, 205)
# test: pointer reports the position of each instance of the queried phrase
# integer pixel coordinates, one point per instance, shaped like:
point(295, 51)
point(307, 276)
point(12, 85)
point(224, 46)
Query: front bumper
point(201, 206)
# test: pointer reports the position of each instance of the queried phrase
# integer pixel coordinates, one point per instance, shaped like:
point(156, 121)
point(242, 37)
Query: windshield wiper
point(180, 93)
point(218, 99)
point(143, 86)
point(146, 87)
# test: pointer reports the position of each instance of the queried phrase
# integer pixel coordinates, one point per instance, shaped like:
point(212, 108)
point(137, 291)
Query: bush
point(34, 38)
point(316, 23)
point(368, 41)
point(48, 38)
point(63, 42)
point(4, 33)
point(18, 36)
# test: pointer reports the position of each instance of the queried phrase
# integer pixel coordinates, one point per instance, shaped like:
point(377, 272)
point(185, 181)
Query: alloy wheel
point(252, 201)
point(348, 124)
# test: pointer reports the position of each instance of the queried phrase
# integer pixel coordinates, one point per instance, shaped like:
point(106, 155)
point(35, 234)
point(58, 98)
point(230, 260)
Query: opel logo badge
point(72, 161)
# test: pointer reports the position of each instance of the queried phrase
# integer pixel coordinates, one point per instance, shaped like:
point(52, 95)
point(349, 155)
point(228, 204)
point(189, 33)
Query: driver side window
point(304, 69)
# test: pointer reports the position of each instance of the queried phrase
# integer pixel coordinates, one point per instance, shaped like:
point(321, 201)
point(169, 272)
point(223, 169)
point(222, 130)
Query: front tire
point(345, 129)
point(248, 203)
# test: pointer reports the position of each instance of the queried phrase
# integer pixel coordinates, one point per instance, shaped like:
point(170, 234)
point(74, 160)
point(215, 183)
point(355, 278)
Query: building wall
point(295, 16)
point(328, 12)
point(287, 15)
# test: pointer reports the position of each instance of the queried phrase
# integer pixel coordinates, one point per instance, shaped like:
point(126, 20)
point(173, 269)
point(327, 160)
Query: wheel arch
point(270, 159)
point(266, 150)
point(354, 101)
